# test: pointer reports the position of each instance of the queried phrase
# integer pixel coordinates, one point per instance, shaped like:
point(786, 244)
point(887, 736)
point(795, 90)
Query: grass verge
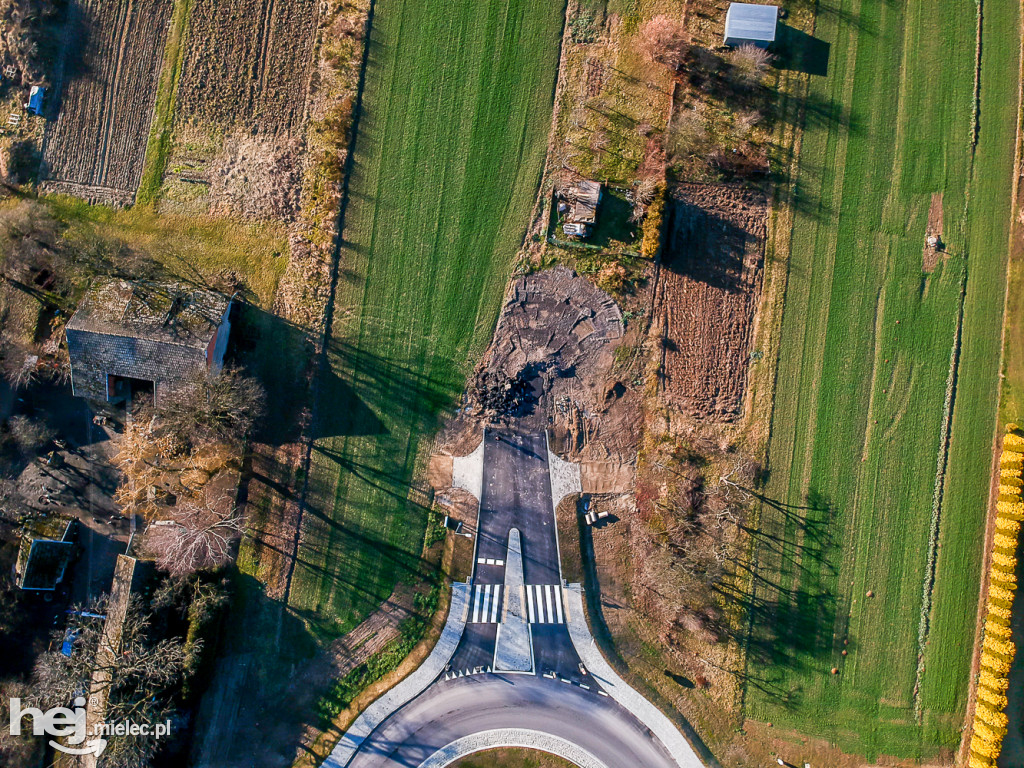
point(158, 146)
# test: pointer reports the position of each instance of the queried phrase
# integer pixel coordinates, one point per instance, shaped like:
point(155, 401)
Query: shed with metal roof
point(749, 23)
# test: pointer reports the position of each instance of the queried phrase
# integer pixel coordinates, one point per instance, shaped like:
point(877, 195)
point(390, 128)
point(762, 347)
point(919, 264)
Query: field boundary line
point(780, 224)
point(154, 163)
point(927, 589)
point(323, 343)
point(1018, 167)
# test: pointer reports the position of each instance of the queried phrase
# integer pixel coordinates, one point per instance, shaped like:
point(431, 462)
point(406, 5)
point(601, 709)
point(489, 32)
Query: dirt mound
point(554, 318)
point(708, 295)
point(554, 326)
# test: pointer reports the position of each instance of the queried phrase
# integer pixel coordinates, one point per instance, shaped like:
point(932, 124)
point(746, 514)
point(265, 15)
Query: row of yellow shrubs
point(997, 648)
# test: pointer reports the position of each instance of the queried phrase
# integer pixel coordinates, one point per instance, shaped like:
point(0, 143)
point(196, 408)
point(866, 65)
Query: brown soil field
point(102, 102)
point(248, 62)
point(708, 295)
point(241, 108)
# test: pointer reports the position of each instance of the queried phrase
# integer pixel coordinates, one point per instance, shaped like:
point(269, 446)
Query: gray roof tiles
point(168, 313)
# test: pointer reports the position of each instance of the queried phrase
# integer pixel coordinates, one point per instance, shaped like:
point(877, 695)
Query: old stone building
point(127, 337)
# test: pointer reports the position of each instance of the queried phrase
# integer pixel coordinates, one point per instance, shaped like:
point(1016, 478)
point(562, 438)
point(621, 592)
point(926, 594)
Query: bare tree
point(143, 457)
point(16, 750)
point(139, 677)
point(198, 535)
point(217, 408)
point(688, 134)
point(744, 123)
point(664, 40)
point(643, 195)
point(749, 64)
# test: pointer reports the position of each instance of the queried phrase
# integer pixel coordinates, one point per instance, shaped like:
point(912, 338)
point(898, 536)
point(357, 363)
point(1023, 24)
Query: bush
point(748, 64)
point(653, 223)
point(22, 161)
point(664, 40)
point(28, 435)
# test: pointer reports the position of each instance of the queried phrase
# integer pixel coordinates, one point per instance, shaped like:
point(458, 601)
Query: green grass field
point(864, 368)
point(457, 108)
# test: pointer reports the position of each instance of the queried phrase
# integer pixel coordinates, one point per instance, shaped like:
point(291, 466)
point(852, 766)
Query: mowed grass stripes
point(452, 138)
point(865, 354)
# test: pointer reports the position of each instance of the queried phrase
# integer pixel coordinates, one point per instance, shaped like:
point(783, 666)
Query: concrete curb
point(410, 687)
point(511, 737)
point(648, 714)
point(468, 471)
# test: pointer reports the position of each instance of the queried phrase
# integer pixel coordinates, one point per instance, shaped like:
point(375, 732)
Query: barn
point(129, 337)
point(748, 23)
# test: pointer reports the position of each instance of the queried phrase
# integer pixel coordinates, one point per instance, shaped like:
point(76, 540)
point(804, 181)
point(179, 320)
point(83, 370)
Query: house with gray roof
point(750, 23)
point(144, 336)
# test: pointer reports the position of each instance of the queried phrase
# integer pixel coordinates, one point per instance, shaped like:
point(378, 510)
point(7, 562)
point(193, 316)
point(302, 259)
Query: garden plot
point(242, 106)
point(708, 295)
point(248, 62)
point(102, 103)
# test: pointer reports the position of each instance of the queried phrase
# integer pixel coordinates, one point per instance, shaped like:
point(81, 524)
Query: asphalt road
point(517, 494)
point(451, 710)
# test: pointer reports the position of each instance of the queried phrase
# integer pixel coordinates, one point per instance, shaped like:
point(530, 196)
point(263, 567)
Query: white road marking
point(548, 600)
point(494, 605)
point(476, 604)
point(487, 602)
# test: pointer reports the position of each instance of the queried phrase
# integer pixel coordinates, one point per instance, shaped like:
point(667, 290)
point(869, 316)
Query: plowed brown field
point(248, 62)
point(103, 99)
point(707, 297)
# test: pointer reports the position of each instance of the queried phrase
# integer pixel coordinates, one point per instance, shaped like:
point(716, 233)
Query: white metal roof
point(751, 22)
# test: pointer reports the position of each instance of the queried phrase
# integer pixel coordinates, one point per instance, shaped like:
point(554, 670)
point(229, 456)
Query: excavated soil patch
point(550, 366)
point(708, 295)
point(555, 329)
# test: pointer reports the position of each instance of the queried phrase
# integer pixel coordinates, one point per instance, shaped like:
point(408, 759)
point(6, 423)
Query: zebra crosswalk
point(544, 604)
point(486, 605)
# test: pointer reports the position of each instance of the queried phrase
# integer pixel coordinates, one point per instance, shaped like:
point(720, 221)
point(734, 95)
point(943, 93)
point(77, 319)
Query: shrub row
point(650, 242)
point(997, 649)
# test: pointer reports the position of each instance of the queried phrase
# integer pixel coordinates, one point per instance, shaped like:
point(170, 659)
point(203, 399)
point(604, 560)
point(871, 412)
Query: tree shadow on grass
point(790, 613)
point(261, 652)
